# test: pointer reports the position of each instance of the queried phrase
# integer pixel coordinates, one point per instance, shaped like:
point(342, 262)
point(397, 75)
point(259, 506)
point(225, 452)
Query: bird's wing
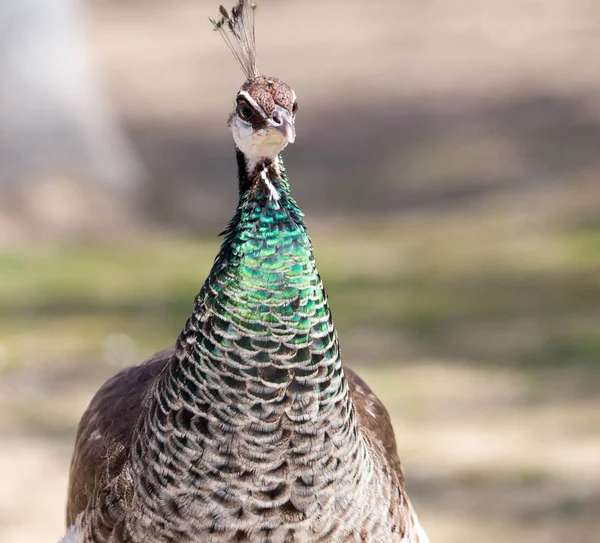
point(376, 427)
point(374, 420)
point(105, 432)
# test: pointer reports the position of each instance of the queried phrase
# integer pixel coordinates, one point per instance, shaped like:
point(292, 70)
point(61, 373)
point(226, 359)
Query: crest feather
point(237, 30)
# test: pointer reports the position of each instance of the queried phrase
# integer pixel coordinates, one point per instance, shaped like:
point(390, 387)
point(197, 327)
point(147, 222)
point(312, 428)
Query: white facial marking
point(273, 193)
point(72, 536)
point(251, 101)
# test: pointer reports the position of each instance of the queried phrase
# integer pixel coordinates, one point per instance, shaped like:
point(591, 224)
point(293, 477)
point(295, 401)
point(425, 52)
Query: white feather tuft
point(72, 536)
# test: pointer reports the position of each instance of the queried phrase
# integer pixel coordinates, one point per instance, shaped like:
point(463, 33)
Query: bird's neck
point(252, 172)
point(255, 393)
point(261, 325)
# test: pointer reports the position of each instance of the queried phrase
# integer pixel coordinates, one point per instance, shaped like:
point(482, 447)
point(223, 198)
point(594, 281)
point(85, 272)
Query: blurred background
point(448, 161)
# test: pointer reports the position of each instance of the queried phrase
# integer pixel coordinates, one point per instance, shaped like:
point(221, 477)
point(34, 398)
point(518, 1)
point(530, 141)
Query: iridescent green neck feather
point(262, 314)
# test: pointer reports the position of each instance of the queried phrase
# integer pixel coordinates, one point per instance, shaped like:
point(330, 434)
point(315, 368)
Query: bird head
point(263, 120)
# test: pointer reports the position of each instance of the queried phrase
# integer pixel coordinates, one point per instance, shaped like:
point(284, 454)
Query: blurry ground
point(447, 159)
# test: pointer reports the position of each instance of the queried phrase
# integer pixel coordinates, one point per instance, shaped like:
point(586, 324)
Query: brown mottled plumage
point(269, 92)
point(106, 431)
point(250, 429)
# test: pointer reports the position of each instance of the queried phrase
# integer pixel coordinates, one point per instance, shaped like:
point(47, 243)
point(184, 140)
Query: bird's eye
point(295, 107)
point(244, 110)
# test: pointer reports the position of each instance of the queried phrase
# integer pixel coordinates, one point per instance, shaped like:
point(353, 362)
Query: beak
point(283, 122)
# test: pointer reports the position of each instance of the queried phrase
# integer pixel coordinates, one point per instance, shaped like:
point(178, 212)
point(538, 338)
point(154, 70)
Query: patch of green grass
point(102, 275)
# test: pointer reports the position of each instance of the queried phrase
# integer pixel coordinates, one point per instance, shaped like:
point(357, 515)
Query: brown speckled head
point(263, 121)
point(269, 92)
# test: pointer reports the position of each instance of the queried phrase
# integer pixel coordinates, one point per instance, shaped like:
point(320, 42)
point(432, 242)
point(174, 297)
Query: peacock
point(249, 429)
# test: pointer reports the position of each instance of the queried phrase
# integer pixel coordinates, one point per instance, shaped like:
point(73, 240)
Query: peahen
point(250, 428)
